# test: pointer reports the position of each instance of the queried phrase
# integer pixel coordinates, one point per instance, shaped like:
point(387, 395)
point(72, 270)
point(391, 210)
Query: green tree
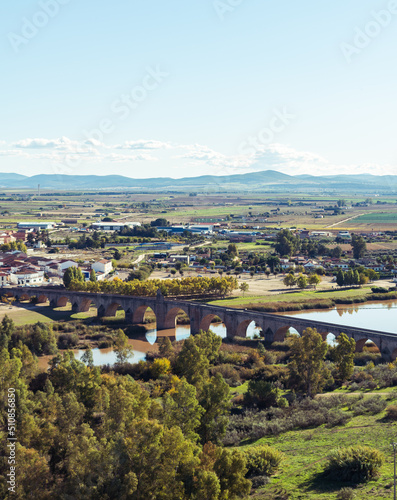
point(359, 246)
point(121, 347)
point(214, 397)
point(72, 274)
point(343, 355)
point(93, 277)
point(244, 286)
point(192, 362)
point(88, 358)
point(287, 243)
point(261, 393)
point(340, 278)
point(314, 279)
point(289, 280)
point(182, 409)
point(301, 281)
point(307, 370)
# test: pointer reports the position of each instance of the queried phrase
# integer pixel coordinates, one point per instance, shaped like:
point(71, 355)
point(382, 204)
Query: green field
point(377, 217)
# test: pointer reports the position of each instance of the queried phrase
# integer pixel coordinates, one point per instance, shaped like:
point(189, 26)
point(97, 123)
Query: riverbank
point(298, 301)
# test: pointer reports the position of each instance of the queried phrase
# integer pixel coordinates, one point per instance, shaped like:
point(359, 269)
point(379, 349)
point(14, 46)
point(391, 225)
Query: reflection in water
point(372, 316)
point(108, 356)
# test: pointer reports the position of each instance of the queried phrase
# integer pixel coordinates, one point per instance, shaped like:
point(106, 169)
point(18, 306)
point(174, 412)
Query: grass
point(24, 316)
point(292, 297)
point(305, 455)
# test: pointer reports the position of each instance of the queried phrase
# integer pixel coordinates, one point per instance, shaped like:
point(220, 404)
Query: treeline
point(169, 287)
point(355, 277)
point(14, 245)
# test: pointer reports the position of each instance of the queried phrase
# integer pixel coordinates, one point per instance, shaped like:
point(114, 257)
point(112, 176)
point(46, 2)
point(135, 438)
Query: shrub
point(354, 464)
point(160, 367)
point(67, 340)
point(262, 460)
point(369, 406)
point(345, 494)
point(391, 412)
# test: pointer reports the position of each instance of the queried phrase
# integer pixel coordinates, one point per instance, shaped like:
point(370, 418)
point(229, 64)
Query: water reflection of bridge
point(236, 321)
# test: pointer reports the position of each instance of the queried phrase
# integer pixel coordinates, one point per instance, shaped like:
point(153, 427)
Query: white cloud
point(188, 159)
point(145, 144)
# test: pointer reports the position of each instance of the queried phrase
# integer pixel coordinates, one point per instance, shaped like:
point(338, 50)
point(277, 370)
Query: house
point(102, 266)
point(27, 277)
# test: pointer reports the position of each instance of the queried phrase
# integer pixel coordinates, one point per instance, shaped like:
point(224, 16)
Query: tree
point(314, 279)
point(160, 222)
point(182, 409)
point(215, 399)
point(359, 246)
point(343, 355)
point(336, 252)
point(289, 280)
point(88, 358)
point(93, 277)
point(244, 287)
point(273, 261)
point(122, 349)
point(72, 274)
point(307, 370)
point(287, 243)
point(261, 393)
point(340, 278)
point(192, 362)
point(301, 281)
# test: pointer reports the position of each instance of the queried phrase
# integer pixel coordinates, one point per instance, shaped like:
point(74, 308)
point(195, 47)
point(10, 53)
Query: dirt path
point(344, 220)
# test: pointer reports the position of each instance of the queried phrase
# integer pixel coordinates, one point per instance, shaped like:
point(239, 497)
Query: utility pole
point(394, 478)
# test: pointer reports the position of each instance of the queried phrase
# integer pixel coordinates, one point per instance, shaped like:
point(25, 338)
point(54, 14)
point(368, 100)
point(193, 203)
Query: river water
point(380, 316)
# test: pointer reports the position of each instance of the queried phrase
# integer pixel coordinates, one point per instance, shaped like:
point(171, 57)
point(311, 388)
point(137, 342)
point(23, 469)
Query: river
point(370, 315)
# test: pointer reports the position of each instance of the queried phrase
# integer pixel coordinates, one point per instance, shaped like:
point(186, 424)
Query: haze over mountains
point(268, 180)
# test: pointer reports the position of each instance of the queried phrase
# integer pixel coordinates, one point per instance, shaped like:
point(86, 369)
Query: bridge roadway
point(166, 310)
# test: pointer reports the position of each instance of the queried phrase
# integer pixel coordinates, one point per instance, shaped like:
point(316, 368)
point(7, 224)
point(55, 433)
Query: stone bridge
point(236, 321)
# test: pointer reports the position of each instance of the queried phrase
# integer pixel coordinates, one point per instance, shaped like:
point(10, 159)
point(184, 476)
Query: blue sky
point(177, 88)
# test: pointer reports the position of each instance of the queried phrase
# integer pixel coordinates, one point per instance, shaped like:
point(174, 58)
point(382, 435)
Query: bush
point(345, 494)
point(391, 412)
point(262, 460)
point(369, 406)
point(354, 464)
point(67, 340)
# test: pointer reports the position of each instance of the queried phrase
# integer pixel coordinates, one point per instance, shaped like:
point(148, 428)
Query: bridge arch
point(42, 299)
point(138, 316)
point(171, 318)
point(248, 327)
point(85, 304)
point(23, 297)
point(360, 344)
point(62, 301)
point(223, 329)
point(281, 332)
point(111, 309)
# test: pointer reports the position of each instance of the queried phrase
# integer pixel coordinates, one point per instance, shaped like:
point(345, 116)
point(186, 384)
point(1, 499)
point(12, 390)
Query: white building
point(113, 226)
point(27, 277)
point(102, 266)
point(36, 225)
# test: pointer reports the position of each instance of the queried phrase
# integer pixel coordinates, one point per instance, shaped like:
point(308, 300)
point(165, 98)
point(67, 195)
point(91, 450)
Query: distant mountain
point(265, 181)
